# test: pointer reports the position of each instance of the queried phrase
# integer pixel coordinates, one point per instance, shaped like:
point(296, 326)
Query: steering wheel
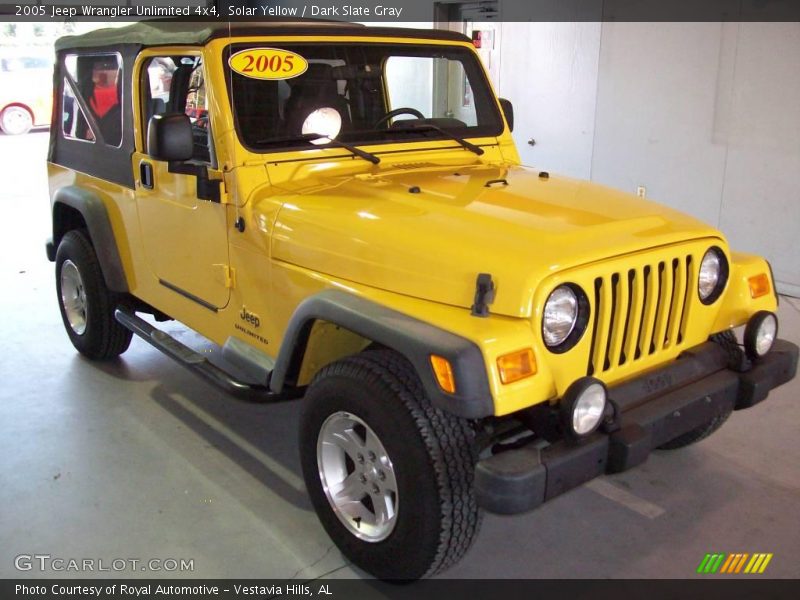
point(398, 111)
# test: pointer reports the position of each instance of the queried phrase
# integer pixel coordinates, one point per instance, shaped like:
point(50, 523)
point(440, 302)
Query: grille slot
point(639, 312)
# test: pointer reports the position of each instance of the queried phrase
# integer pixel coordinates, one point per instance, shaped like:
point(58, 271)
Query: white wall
point(706, 116)
point(760, 209)
point(655, 114)
point(549, 72)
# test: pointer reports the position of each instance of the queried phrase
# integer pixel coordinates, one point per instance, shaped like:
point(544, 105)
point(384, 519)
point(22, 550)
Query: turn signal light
point(444, 373)
point(759, 285)
point(517, 365)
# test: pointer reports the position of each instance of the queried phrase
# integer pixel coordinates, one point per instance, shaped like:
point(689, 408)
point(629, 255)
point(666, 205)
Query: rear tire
point(430, 456)
point(87, 305)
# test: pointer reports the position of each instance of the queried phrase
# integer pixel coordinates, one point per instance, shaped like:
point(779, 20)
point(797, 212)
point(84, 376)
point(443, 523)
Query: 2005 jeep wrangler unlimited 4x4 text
point(342, 210)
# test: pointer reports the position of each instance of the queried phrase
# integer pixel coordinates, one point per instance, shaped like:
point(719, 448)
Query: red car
point(26, 95)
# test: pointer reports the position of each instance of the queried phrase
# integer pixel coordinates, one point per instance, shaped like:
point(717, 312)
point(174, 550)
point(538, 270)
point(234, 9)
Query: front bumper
point(650, 411)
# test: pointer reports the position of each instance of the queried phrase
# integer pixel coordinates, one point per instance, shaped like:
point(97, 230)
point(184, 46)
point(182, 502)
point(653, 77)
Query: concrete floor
point(139, 459)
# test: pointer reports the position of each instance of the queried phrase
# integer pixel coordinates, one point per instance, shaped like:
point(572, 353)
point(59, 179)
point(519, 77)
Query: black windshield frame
point(489, 119)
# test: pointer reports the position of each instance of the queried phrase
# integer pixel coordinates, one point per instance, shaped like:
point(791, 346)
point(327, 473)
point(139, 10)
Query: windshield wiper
point(429, 127)
point(310, 137)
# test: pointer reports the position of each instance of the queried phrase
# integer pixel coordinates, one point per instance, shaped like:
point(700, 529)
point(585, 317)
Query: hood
point(429, 232)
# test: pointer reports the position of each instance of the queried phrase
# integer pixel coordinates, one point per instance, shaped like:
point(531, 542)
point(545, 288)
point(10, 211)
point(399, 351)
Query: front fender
point(737, 303)
point(414, 339)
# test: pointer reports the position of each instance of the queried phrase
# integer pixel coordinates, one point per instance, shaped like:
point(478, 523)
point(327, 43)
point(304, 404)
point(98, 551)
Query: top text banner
point(403, 11)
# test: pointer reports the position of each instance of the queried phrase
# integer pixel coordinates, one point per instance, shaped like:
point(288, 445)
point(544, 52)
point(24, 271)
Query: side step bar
point(199, 364)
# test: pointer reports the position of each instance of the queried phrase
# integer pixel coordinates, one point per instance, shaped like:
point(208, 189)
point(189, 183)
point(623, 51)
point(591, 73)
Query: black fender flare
point(95, 215)
point(414, 339)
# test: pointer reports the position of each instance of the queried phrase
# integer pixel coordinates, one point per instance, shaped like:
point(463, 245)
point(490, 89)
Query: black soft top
point(169, 32)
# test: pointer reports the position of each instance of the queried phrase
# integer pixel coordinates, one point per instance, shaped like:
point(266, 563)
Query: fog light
point(760, 334)
point(583, 406)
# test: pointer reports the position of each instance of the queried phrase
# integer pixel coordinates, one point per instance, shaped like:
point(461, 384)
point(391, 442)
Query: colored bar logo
point(732, 564)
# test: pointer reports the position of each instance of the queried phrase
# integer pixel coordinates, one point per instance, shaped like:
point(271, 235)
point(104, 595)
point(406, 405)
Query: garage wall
point(656, 103)
point(705, 116)
point(760, 209)
point(549, 72)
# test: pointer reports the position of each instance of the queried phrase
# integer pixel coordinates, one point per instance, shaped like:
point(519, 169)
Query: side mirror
point(169, 137)
point(508, 112)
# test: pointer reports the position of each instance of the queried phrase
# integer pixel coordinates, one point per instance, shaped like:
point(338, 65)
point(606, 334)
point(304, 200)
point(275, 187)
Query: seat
point(313, 90)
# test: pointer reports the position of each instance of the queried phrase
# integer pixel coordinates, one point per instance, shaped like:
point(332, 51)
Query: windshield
point(359, 93)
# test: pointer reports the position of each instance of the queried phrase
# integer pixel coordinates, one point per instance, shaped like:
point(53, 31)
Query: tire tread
point(450, 442)
point(113, 338)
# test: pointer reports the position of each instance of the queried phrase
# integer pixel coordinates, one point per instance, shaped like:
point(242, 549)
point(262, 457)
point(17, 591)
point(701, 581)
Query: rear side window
point(93, 85)
point(74, 125)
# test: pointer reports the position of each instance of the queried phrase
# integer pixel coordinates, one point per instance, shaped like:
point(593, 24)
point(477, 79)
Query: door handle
point(146, 174)
point(531, 142)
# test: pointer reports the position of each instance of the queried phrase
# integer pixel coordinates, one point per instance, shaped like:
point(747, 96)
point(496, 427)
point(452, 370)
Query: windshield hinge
point(228, 276)
point(217, 175)
point(484, 295)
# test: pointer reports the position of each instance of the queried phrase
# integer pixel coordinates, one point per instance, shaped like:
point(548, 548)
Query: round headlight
point(713, 275)
point(583, 406)
point(760, 334)
point(560, 315)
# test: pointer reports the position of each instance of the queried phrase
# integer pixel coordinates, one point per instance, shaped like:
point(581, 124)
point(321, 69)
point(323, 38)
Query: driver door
point(183, 223)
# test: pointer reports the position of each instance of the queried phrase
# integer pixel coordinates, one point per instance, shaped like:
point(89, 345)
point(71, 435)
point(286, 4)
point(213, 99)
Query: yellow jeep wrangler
point(343, 211)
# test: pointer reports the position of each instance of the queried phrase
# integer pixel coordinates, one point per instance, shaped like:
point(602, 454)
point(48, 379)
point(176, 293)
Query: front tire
point(86, 304)
point(390, 476)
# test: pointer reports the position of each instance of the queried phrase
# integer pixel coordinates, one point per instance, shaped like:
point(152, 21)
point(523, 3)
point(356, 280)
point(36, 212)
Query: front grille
point(639, 312)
